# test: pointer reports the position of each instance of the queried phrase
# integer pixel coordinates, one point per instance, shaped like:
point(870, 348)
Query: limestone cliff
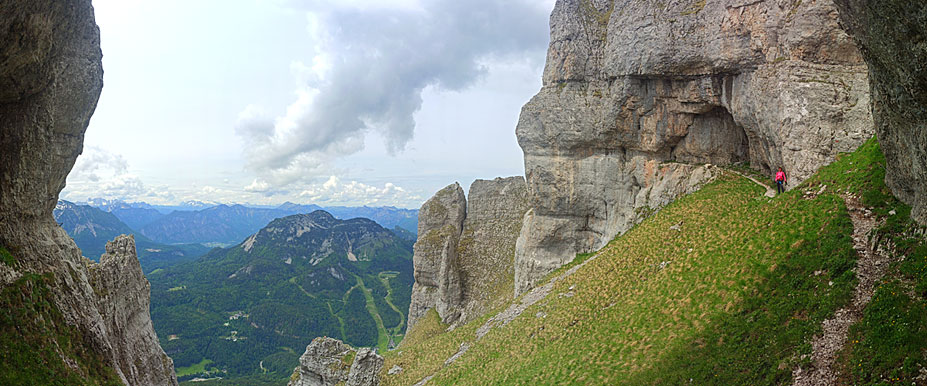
point(50, 79)
point(464, 257)
point(437, 276)
point(486, 250)
point(637, 94)
point(329, 362)
point(891, 35)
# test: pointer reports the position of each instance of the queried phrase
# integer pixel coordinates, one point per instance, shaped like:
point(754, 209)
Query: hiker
point(781, 179)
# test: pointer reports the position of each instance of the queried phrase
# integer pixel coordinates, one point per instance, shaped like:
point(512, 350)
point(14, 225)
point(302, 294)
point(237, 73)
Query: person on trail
point(781, 179)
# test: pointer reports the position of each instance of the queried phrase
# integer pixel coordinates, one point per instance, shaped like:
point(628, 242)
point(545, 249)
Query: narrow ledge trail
point(870, 268)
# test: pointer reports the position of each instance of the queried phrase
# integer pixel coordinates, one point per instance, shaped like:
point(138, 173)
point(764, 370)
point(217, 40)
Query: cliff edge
point(637, 95)
point(50, 80)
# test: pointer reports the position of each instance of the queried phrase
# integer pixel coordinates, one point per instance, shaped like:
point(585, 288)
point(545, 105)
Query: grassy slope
point(34, 338)
point(737, 302)
point(889, 344)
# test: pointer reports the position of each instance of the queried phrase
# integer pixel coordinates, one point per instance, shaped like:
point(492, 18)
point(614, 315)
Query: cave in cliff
point(713, 137)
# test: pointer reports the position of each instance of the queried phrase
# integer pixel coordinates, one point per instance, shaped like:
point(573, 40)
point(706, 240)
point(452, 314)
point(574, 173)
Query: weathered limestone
point(329, 362)
point(123, 300)
point(437, 276)
point(50, 80)
point(891, 34)
point(630, 86)
point(464, 257)
point(486, 250)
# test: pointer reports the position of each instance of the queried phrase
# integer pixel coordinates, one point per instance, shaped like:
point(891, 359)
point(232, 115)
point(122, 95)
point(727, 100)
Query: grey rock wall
point(637, 95)
point(123, 298)
point(891, 34)
point(50, 80)
point(435, 265)
point(464, 256)
point(486, 250)
point(329, 362)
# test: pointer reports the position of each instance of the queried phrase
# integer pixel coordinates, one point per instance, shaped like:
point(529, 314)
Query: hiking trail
point(871, 266)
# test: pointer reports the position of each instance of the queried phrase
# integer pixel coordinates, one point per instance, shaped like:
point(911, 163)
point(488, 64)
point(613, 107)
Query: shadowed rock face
point(630, 85)
point(50, 80)
point(891, 34)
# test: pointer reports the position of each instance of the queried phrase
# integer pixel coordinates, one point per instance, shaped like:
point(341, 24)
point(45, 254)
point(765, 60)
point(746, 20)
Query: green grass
point(382, 335)
point(888, 345)
point(7, 258)
point(34, 338)
point(743, 288)
point(197, 368)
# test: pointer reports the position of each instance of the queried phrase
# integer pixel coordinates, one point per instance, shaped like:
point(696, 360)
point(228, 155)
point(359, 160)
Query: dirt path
point(770, 192)
point(870, 267)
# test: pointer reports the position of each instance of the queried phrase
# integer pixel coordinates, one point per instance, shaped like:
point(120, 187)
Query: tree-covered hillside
point(252, 309)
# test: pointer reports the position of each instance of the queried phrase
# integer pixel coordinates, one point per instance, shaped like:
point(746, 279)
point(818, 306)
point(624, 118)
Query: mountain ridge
point(298, 278)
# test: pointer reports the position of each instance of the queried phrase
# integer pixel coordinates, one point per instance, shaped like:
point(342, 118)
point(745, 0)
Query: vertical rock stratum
point(50, 80)
point(464, 256)
point(891, 34)
point(636, 95)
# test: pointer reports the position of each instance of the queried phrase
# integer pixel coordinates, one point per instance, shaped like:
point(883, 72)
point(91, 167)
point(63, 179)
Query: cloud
point(335, 192)
point(370, 66)
point(99, 173)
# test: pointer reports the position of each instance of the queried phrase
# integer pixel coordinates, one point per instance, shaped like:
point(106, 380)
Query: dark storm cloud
point(379, 62)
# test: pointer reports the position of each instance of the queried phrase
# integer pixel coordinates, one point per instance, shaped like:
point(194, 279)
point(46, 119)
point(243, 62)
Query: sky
point(349, 102)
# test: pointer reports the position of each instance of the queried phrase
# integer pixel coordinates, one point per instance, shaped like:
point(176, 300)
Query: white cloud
point(370, 63)
point(336, 192)
point(257, 186)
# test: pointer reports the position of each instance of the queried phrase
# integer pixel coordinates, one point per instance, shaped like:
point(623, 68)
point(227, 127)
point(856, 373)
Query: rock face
point(123, 300)
point(486, 250)
point(436, 271)
point(329, 362)
point(50, 79)
point(632, 85)
point(464, 257)
point(891, 34)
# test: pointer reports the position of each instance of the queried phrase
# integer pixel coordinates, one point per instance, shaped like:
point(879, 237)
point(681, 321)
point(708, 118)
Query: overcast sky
point(348, 102)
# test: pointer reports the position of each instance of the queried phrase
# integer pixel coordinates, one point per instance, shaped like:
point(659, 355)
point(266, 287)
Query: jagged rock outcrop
point(50, 80)
point(631, 85)
point(329, 362)
point(464, 257)
point(436, 271)
point(891, 34)
point(123, 298)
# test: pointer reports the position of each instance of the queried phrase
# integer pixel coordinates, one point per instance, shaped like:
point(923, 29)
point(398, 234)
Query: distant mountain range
point(91, 228)
point(218, 225)
point(252, 308)
point(223, 225)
